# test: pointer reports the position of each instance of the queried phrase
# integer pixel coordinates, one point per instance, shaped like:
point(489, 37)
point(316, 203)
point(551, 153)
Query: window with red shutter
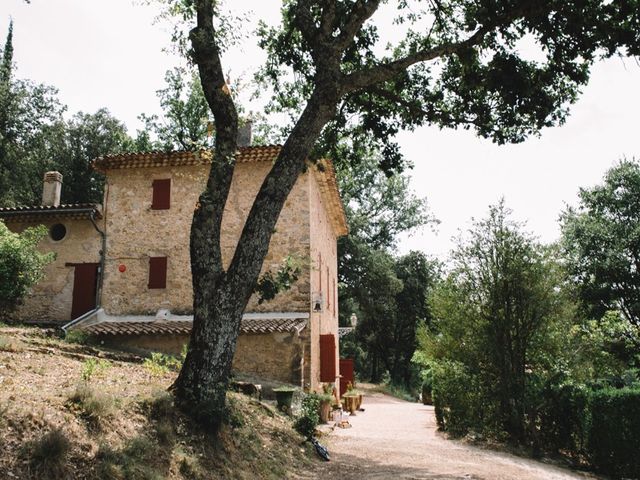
point(327, 358)
point(157, 272)
point(161, 194)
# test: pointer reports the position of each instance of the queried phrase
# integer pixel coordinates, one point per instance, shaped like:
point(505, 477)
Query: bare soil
point(395, 439)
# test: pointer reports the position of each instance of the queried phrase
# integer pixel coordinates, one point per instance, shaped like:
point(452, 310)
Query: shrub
point(309, 418)
point(159, 363)
point(93, 366)
point(47, 455)
point(562, 417)
point(76, 336)
point(21, 264)
point(614, 432)
point(94, 407)
point(458, 399)
point(8, 346)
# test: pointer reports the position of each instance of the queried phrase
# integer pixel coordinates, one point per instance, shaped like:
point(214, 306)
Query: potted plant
point(326, 399)
point(353, 396)
point(284, 397)
point(350, 402)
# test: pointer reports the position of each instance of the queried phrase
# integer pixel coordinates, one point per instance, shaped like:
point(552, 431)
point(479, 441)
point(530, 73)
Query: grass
point(398, 391)
point(137, 460)
point(7, 345)
point(47, 455)
point(95, 408)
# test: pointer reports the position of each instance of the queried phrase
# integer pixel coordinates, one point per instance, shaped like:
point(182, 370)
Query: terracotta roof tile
point(266, 153)
point(73, 210)
point(183, 327)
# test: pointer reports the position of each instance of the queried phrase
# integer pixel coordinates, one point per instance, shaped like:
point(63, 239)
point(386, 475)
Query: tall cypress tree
point(7, 57)
point(5, 99)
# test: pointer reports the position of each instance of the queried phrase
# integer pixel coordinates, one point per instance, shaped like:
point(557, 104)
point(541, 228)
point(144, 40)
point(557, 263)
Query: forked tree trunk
point(219, 296)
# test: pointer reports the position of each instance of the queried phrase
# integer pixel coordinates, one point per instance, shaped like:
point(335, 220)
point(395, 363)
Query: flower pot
point(350, 403)
point(284, 397)
point(325, 411)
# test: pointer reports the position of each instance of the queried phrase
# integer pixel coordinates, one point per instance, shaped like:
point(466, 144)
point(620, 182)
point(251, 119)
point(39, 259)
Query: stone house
point(122, 273)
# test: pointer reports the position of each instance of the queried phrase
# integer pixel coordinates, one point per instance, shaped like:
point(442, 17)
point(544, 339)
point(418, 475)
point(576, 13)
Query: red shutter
point(161, 194)
point(157, 272)
point(327, 358)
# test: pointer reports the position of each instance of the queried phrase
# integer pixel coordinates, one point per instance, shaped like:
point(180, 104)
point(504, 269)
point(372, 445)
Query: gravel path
point(394, 439)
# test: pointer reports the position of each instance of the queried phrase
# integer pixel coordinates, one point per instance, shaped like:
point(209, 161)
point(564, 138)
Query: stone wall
point(323, 278)
point(268, 356)
point(51, 298)
point(135, 232)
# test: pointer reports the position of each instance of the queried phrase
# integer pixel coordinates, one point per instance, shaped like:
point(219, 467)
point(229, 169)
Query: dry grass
point(47, 455)
point(121, 424)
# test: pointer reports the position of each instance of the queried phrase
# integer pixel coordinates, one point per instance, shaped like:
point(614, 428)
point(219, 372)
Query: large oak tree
point(460, 64)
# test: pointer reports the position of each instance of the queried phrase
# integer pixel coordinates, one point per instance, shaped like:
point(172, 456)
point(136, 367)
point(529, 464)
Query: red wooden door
point(346, 374)
point(85, 282)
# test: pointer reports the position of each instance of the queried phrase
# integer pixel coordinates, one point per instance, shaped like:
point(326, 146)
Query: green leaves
point(21, 264)
point(601, 239)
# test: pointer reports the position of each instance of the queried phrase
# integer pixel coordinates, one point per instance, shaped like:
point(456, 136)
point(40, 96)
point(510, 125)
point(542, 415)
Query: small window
point(157, 272)
point(57, 232)
point(161, 194)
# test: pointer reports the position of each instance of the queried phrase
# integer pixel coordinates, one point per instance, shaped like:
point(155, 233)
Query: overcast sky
point(109, 54)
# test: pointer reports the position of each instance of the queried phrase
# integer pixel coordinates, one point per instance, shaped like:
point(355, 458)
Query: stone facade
point(51, 299)
point(135, 232)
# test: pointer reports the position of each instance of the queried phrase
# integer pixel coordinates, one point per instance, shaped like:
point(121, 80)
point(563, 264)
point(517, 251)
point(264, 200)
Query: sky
point(110, 54)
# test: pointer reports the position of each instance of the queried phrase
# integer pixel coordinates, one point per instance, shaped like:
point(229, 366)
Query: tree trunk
point(220, 297)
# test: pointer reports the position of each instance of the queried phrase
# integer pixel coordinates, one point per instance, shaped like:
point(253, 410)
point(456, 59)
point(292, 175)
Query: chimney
point(244, 134)
point(52, 188)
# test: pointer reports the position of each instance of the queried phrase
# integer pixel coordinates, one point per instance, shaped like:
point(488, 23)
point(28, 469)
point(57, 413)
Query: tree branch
point(210, 208)
point(386, 71)
point(362, 11)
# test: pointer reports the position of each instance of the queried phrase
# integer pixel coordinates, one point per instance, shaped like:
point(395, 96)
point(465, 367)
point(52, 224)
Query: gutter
point(102, 259)
point(81, 318)
point(61, 211)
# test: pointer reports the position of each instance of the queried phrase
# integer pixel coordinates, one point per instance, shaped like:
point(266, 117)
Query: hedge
point(614, 431)
point(601, 426)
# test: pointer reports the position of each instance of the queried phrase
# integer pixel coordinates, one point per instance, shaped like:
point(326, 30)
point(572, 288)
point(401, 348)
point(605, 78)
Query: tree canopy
point(602, 240)
point(460, 64)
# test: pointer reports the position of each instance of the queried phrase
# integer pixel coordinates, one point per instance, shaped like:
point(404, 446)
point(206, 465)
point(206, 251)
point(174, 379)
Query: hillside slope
point(79, 412)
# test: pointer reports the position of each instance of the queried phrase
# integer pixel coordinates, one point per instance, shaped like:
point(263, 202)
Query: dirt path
point(394, 439)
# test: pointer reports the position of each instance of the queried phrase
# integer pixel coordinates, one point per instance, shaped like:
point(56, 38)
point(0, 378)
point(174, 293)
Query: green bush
point(309, 418)
point(76, 336)
point(160, 364)
point(458, 398)
point(562, 418)
point(427, 387)
point(21, 264)
point(614, 431)
point(93, 366)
